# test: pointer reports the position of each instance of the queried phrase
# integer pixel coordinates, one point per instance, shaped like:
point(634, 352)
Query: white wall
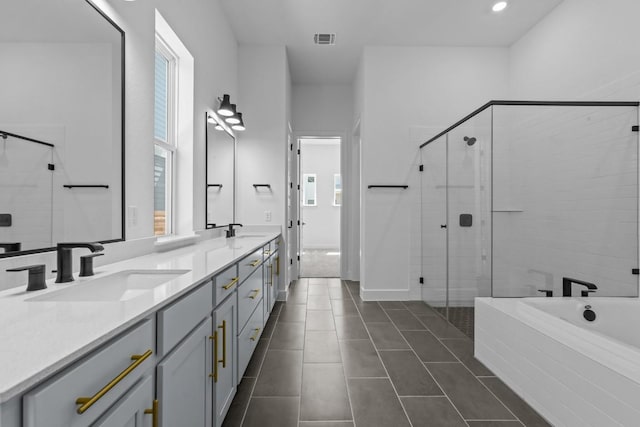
point(265, 99)
point(409, 94)
point(261, 148)
point(584, 49)
point(322, 222)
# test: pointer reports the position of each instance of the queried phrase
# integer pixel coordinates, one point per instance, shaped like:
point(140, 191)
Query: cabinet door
point(275, 279)
point(129, 411)
point(225, 352)
point(184, 385)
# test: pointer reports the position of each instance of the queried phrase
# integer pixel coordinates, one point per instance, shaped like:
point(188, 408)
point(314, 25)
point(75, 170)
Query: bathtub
point(574, 372)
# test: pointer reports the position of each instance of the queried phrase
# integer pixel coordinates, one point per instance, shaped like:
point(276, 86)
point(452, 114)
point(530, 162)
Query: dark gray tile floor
point(328, 359)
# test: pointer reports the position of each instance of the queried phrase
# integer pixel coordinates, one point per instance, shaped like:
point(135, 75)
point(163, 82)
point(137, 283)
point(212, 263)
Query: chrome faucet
point(65, 260)
point(566, 287)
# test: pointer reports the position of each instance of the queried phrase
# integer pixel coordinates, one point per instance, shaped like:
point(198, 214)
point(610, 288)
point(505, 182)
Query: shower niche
point(519, 194)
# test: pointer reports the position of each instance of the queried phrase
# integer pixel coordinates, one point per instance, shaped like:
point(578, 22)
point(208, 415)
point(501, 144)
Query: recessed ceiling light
point(500, 6)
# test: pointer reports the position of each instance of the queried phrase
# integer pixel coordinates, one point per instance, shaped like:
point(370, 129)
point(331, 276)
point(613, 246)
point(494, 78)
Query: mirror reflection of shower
point(469, 140)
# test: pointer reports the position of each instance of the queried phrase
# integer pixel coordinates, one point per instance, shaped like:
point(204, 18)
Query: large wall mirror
point(221, 160)
point(61, 125)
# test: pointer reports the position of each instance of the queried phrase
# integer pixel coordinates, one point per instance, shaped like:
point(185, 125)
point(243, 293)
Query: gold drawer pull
point(270, 267)
point(154, 413)
point(254, 263)
point(230, 284)
point(87, 402)
point(255, 336)
point(255, 293)
point(224, 343)
point(214, 337)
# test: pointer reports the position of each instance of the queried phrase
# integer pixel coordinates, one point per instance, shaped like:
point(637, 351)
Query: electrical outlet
point(267, 216)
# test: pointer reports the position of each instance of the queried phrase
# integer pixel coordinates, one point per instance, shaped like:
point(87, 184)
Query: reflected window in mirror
point(164, 138)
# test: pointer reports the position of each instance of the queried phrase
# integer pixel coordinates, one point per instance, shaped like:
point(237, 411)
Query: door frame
point(344, 144)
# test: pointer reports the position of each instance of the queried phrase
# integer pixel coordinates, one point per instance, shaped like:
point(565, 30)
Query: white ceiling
point(359, 23)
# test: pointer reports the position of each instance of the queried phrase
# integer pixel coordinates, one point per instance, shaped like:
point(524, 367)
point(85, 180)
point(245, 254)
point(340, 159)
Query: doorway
point(320, 204)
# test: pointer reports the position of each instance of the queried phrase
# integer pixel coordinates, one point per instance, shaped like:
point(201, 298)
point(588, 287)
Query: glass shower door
point(434, 219)
point(468, 218)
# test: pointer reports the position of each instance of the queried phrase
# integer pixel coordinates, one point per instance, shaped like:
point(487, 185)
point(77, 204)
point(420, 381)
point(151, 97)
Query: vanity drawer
point(267, 250)
point(53, 404)
point(249, 264)
point(249, 337)
point(249, 296)
point(225, 283)
point(177, 320)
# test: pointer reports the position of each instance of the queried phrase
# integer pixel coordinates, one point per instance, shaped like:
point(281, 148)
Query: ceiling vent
point(324, 38)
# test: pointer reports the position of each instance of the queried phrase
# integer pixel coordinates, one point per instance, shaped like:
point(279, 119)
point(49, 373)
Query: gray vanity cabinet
point(98, 381)
point(135, 409)
point(225, 356)
point(184, 388)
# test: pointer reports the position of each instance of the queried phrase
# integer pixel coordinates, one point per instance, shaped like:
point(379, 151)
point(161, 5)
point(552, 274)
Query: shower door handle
point(443, 226)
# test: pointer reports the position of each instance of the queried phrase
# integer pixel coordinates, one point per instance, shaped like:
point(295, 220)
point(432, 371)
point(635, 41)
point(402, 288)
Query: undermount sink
point(121, 286)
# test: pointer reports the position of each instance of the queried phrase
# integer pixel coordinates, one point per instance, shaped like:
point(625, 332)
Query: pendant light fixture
point(225, 106)
point(233, 119)
point(212, 120)
point(240, 125)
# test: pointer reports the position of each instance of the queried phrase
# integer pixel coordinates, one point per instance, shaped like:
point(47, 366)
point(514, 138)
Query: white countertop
point(39, 338)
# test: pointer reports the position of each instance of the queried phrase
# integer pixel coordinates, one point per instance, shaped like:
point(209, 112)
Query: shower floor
point(460, 317)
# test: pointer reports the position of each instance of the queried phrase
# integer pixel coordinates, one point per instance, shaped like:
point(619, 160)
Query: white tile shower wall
point(25, 191)
point(572, 173)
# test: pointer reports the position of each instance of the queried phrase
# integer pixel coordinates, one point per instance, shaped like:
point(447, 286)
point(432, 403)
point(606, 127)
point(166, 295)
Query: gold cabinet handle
point(153, 411)
point(224, 343)
point(255, 293)
point(270, 266)
point(231, 283)
point(87, 402)
point(214, 375)
point(254, 263)
point(255, 336)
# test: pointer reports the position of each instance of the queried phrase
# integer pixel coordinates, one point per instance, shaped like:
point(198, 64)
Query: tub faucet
point(65, 262)
point(566, 286)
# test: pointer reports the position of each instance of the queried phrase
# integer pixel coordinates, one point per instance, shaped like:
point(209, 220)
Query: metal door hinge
point(298, 151)
point(298, 257)
point(422, 280)
point(635, 271)
point(51, 167)
point(291, 147)
point(421, 168)
point(635, 128)
point(290, 261)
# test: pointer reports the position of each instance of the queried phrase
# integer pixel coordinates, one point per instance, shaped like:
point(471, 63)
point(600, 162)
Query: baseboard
point(386, 295)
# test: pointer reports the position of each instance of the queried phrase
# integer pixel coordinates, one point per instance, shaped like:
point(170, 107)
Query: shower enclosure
point(518, 195)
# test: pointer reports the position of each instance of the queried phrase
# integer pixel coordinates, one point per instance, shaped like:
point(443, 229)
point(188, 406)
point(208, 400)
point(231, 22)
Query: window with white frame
point(309, 196)
point(164, 138)
point(337, 189)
